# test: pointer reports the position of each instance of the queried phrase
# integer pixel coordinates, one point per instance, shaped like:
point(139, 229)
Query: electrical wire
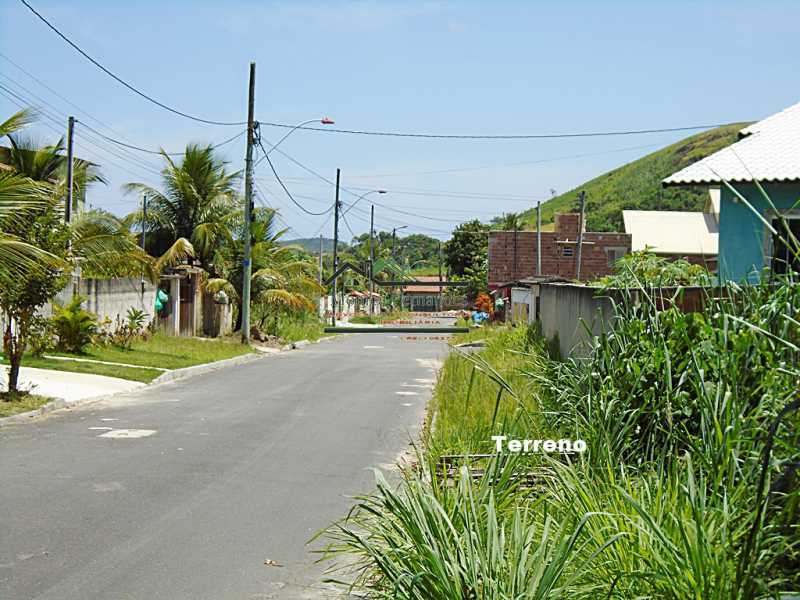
point(285, 189)
point(534, 136)
point(160, 153)
point(122, 81)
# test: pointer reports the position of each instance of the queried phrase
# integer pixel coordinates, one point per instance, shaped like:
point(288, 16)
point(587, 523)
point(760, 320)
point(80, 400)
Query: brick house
point(559, 252)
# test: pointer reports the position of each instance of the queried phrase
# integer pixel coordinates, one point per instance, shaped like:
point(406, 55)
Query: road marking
point(417, 385)
point(127, 433)
point(101, 428)
point(107, 419)
point(373, 347)
point(110, 486)
point(407, 404)
point(407, 393)
point(430, 381)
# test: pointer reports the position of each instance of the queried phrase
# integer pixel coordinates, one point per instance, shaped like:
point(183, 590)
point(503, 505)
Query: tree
point(94, 241)
point(282, 280)
point(469, 245)
point(194, 213)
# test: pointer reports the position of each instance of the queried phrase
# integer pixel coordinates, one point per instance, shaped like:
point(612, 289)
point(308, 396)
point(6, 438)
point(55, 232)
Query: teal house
point(752, 228)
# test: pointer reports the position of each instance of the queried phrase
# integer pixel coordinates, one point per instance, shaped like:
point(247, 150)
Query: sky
point(482, 68)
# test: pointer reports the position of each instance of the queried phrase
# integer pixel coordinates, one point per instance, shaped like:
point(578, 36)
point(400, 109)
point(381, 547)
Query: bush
point(133, 328)
point(41, 336)
point(74, 327)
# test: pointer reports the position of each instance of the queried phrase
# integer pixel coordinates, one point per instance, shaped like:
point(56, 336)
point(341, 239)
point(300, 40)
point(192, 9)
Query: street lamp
point(364, 195)
point(322, 121)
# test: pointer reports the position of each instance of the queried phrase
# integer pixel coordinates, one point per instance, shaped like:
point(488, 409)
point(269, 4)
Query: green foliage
point(74, 327)
point(690, 486)
point(41, 336)
point(477, 274)
point(127, 331)
point(646, 269)
point(363, 320)
point(467, 248)
point(637, 185)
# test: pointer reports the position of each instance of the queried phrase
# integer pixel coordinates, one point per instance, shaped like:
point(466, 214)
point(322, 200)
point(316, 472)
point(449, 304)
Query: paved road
point(242, 465)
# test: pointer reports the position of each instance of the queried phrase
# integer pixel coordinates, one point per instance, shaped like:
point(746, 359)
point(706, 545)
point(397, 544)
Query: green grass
point(20, 403)
point(166, 352)
point(363, 320)
point(307, 326)
point(132, 373)
point(637, 185)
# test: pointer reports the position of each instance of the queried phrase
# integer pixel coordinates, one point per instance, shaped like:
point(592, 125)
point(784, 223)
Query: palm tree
point(32, 227)
point(280, 281)
point(192, 215)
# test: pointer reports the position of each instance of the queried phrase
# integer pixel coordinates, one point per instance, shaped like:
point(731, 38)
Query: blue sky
point(441, 67)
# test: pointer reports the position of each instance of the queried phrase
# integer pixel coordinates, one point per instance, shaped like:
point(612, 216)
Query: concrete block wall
point(111, 298)
point(558, 253)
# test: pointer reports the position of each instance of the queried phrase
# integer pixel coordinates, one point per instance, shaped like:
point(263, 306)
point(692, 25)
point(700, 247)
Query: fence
point(573, 314)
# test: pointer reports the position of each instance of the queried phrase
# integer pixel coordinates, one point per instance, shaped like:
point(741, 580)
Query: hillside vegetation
point(637, 185)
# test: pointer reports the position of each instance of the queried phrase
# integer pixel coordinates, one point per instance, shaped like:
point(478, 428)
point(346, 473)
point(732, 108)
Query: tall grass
point(690, 487)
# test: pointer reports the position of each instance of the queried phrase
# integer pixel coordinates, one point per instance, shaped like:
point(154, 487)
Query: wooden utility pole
point(539, 238)
point(440, 275)
point(70, 170)
point(371, 257)
point(335, 246)
point(582, 198)
point(144, 226)
point(247, 265)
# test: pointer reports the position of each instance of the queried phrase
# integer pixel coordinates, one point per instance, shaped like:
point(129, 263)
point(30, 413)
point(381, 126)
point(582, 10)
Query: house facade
point(513, 254)
point(758, 183)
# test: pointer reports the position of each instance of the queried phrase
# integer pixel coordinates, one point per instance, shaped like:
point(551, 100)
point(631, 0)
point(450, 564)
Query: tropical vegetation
point(689, 488)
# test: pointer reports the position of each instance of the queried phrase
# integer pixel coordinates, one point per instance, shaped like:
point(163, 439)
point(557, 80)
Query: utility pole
point(248, 207)
point(539, 238)
point(70, 173)
point(144, 225)
point(371, 258)
point(335, 246)
point(440, 275)
point(582, 198)
point(320, 259)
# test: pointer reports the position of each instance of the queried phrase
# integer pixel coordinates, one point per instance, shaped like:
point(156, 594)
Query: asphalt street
point(184, 490)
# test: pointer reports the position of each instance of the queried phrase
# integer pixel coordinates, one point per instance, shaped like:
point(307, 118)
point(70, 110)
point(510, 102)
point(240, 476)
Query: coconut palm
point(192, 214)
point(38, 250)
point(280, 281)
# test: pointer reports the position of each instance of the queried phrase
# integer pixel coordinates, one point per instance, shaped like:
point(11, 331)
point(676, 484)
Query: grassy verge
point(165, 352)
point(301, 327)
point(690, 421)
point(20, 403)
point(142, 374)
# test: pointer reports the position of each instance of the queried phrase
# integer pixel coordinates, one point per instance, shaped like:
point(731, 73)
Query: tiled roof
point(672, 232)
point(768, 151)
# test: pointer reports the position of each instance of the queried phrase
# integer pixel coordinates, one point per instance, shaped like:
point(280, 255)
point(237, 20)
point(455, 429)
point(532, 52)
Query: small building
point(766, 155)
point(692, 236)
point(513, 254)
point(421, 298)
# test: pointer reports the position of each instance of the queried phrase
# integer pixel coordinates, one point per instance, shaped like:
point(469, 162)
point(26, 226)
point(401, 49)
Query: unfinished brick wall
point(559, 249)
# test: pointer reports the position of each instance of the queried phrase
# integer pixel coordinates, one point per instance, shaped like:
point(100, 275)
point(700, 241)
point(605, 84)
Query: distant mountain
point(637, 185)
point(311, 245)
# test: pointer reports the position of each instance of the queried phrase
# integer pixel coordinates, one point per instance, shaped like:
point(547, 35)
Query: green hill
point(311, 245)
point(637, 185)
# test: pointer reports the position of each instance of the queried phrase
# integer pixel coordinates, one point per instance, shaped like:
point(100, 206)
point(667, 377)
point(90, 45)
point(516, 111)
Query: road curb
point(169, 377)
point(205, 368)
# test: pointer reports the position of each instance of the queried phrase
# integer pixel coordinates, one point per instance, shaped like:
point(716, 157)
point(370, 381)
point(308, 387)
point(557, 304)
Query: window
point(614, 253)
point(567, 250)
point(783, 255)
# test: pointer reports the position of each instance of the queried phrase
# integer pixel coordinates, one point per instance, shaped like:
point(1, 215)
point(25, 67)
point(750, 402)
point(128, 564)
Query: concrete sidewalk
point(70, 387)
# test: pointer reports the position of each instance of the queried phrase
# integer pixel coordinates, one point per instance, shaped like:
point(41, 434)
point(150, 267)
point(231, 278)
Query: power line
point(160, 153)
point(535, 136)
point(288, 193)
point(57, 111)
point(122, 81)
point(503, 166)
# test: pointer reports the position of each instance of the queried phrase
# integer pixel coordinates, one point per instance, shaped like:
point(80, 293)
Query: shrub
point(73, 326)
point(484, 303)
point(126, 332)
point(41, 336)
